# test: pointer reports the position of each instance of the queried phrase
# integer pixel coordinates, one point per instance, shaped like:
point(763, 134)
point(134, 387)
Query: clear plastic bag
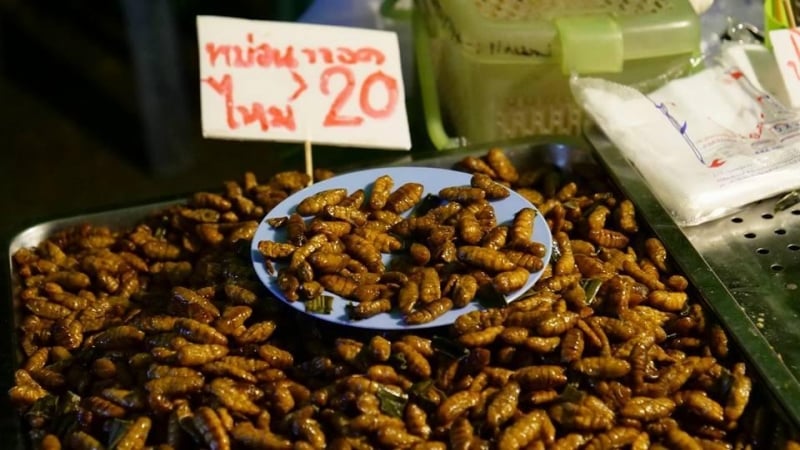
point(709, 143)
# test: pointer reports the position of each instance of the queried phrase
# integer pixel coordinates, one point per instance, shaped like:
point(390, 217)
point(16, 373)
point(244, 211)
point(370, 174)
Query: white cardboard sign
point(263, 80)
point(786, 46)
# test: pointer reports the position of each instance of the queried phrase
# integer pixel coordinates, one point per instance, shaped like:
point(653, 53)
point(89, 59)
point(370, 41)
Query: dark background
point(99, 108)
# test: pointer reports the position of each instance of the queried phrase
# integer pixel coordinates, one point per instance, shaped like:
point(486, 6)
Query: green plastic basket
point(492, 70)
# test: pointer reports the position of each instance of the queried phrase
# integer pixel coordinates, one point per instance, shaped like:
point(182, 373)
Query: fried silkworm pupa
point(404, 198)
point(381, 189)
point(429, 312)
point(365, 310)
point(462, 194)
point(510, 281)
point(485, 258)
point(316, 203)
point(502, 165)
point(494, 191)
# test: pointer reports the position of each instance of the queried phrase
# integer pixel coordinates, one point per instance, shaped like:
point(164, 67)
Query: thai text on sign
point(283, 81)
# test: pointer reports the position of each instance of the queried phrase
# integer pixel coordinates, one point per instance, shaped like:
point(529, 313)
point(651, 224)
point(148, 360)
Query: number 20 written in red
point(375, 80)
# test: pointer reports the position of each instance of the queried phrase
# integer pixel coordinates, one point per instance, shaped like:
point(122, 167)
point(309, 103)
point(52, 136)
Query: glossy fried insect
point(429, 285)
point(420, 254)
point(289, 285)
point(404, 198)
point(429, 312)
point(502, 407)
point(199, 354)
point(384, 242)
point(407, 297)
point(416, 361)
point(26, 391)
point(699, 403)
point(657, 253)
point(355, 200)
point(456, 405)
point(531, 426)
point(210, 200)
point(521, 228)
point(477, 165)
point(485, 258)
point(365, 310)
point(528, 261)
point(493, 190)
point(160, 250)
point(209, 426)
point(396, 437)
point(369, 292)
point(381, 189)
point(234, 398)
point(331, 228)
point(316, 203)
point(590, 414)
point(135, 436)
point(680, 439)
point(502, 165)
point(602, 367)
point(256, 333)
point(327, 262)
point(464, 290)
point(469, 229)
point(739, 393)
point(46, 309)
point(118, 337)
point(495, 238)
point(363, 250)
point(648, 409)
point(481, 338)
point(540, 377)
point(616, 437)
point(462, 194)
point(252, 437)
point(626, 214)
point(347, 214)
point(461, 434)
point(510, 281)
point(554, 324)
point(199, 332)
point(276, 357)
point(195, 306)
point(608, 238)
point(668, 301)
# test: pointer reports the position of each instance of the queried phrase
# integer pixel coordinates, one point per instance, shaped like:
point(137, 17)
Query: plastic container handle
point(390, 10)
point(427, 85)
point(590, 44)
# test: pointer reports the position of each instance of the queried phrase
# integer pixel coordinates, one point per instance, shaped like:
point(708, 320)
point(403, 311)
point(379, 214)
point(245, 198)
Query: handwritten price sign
point(786, 46)
point(298, 82)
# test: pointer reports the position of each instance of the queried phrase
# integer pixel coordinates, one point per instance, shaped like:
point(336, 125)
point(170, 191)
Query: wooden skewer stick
point(309, 162)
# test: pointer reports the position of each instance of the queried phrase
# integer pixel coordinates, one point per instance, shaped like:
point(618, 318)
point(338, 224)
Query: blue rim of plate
point(433, 180)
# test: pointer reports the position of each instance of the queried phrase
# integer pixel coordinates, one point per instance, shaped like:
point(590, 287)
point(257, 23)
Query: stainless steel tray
point(562, 152)
point(747, 267)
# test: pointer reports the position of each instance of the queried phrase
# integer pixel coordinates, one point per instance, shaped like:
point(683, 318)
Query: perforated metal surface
point(547, 9)
point(756, 252)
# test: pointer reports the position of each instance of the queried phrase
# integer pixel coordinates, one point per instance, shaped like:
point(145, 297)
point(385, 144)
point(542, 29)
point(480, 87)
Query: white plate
point(433, 180)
